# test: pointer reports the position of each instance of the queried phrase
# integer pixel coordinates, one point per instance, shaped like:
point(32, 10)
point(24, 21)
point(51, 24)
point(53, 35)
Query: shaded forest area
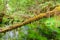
point(29, 19)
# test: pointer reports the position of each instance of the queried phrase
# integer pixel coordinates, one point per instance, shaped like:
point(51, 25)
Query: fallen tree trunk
point(37, 17)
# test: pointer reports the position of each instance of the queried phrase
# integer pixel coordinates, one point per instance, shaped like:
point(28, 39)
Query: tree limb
point(37, 17)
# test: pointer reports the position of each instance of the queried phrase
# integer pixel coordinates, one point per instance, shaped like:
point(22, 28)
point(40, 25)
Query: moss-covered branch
point(37, 17)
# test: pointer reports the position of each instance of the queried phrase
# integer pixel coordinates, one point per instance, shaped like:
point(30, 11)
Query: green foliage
point(1, 35)
point(43, 29)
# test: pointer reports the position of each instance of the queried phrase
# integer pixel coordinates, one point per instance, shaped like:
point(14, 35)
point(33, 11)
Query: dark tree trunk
point(1, 17)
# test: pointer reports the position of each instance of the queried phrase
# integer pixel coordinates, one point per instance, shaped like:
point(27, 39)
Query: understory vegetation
point(18, 11)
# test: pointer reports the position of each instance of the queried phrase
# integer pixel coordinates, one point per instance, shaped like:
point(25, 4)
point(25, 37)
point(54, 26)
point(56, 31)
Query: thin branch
point(41, 15)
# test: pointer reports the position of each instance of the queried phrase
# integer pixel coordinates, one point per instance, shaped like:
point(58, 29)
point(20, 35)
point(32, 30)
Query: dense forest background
point(17, 11)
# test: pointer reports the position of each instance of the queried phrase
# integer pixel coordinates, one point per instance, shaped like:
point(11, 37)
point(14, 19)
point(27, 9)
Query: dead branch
point(37, 17)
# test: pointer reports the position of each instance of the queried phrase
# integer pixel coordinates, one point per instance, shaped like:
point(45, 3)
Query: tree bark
point(37, 17)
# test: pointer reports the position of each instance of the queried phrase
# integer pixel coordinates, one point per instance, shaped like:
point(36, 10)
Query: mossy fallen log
point(56, 11)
